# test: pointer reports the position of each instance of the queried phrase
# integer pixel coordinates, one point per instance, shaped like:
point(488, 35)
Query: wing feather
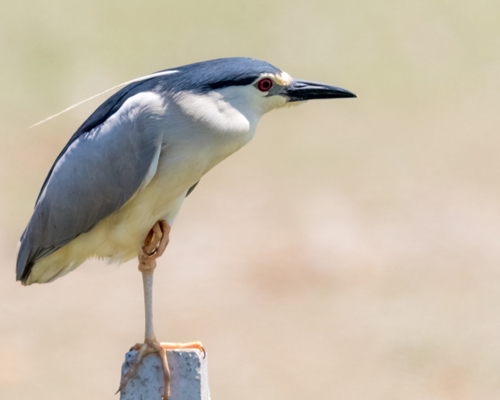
point(96, 174)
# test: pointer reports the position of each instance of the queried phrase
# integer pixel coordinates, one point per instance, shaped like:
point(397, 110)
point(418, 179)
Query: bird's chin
point(294, 103)
point(275, 102)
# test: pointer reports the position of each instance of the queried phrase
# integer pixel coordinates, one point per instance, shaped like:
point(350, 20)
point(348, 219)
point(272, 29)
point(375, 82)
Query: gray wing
point(95, 175)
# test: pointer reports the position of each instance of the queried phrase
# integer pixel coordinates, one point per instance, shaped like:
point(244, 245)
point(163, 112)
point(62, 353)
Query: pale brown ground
point(350, 252)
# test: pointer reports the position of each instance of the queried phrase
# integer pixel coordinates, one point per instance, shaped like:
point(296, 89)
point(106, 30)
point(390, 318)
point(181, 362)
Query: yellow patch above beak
point(282, 78)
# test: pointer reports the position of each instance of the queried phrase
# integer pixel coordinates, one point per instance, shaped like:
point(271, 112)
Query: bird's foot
point(152, 347)
point(154, 246)
point(182, 346)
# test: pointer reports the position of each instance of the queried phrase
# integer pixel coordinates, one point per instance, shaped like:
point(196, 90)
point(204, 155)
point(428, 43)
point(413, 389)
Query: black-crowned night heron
point(115, 189)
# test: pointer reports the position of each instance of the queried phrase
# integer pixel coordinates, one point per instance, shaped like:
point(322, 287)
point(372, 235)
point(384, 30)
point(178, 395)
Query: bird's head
point(248, 84)
point(240, 85)
point(223, 87)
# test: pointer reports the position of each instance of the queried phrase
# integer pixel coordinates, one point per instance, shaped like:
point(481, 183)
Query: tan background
point(350, 252)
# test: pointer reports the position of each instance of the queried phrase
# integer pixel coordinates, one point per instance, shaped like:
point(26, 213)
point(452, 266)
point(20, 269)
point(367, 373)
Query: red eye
point(265, 84)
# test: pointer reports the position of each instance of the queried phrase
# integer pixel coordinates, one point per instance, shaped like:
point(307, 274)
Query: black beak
point(304, 90)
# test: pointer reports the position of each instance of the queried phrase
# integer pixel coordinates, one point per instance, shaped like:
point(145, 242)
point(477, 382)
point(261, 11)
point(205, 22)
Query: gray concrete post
point(188, 377)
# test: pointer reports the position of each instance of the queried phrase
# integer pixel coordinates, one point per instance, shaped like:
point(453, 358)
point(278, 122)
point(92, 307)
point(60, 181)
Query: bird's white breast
point(199, 131)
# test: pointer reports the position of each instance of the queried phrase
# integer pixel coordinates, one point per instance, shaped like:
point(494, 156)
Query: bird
point(115, 189)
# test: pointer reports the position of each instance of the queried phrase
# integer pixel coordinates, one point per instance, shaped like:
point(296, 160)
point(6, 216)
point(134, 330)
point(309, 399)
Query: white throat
point(224, 111)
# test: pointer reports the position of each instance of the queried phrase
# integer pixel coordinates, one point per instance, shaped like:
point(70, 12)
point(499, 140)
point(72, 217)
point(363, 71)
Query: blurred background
point(349, 252)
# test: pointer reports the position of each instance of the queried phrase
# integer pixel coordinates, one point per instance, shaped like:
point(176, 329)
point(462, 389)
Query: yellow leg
point(154, 246)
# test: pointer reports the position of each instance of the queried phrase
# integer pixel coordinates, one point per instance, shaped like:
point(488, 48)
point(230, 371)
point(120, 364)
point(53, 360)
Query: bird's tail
point(25, 261)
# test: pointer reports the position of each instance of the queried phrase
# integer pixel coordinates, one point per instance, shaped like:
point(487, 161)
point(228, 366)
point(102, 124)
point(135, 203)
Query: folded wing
point(96, 174)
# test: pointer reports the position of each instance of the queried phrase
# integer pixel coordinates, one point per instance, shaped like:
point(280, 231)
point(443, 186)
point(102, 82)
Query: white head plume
point(142, 78)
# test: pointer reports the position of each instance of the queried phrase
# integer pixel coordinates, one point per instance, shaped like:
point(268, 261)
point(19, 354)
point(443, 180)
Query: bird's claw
point(154, 245)
point(149, 254)
point(144, 350)
point(190, 345)
point(148, 348)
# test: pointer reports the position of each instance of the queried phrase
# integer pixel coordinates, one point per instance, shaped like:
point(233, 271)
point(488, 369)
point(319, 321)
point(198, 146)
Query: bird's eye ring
point(265, 84)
